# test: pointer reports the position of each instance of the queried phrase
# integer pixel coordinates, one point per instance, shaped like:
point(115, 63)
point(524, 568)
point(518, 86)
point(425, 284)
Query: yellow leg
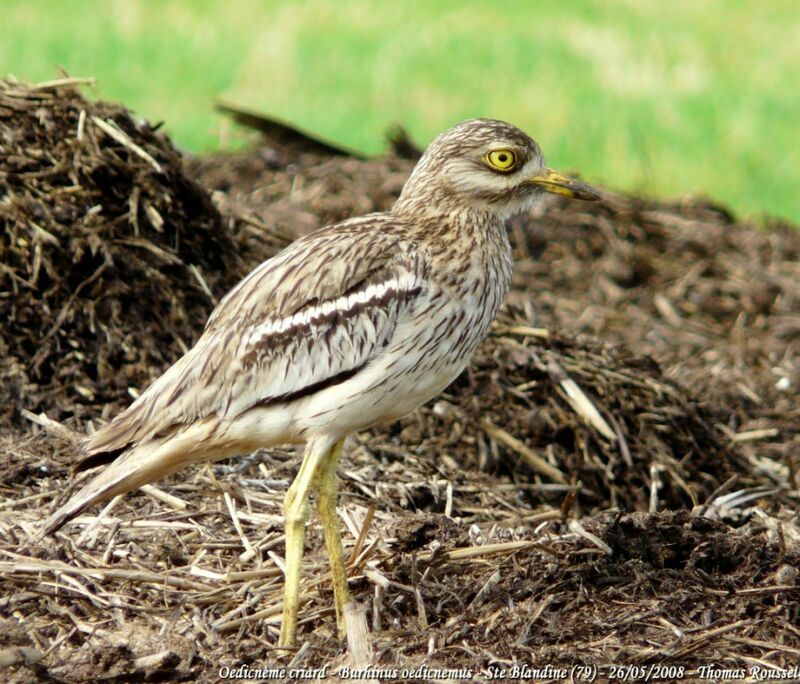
point(326, 491)
point(296, 513)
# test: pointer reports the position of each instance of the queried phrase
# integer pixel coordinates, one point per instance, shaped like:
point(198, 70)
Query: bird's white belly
point(426, 354)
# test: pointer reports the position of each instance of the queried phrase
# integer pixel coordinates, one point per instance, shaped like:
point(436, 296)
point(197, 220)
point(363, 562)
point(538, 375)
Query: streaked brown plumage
point(358, 323)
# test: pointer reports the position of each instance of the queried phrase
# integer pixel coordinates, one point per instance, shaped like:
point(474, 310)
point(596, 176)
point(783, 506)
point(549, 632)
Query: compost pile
point(612, 480)
point(110, 253)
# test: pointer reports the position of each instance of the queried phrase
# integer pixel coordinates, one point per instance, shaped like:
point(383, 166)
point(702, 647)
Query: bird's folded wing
point(314, 315)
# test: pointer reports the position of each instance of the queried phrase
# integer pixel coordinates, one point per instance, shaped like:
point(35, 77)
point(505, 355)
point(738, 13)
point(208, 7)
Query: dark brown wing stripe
point(309, 389)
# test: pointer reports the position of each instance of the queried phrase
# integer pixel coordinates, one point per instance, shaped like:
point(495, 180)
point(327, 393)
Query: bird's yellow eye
point(501, 160)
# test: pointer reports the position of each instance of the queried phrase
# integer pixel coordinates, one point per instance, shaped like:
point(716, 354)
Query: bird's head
point(488, 165)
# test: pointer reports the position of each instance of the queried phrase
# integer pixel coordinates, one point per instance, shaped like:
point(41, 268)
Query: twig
point(724, 487)
point(579, 401)
point(578, 529)
point(249, 551)
point(113, 131)
point(203, 284)
point(63, 82)
point(362, 535)
point(696, 641)
point(95, 523)
point(528, 331)
point(164, 497)
point(754, 435)
point(32, 565)
point(478, 551)
point(769, 645)
point(359, 643)
point(486, 589)
point(655, 485)
point(52, 427)
point(531, 457)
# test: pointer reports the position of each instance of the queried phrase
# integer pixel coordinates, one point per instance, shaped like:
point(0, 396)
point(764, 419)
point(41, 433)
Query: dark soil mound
point(110, 255)
point(669, 590)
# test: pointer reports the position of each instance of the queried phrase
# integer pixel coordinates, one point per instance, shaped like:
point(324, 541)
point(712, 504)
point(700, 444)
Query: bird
point(355, 324)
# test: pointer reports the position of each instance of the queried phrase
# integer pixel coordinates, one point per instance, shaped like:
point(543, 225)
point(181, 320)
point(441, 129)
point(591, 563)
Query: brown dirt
point(503, 524)
point(105, 250)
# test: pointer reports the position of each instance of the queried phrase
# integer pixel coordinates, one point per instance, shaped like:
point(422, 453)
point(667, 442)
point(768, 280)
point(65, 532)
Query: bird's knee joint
point(296, 512)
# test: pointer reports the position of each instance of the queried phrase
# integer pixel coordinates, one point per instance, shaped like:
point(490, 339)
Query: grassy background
point(643, 95)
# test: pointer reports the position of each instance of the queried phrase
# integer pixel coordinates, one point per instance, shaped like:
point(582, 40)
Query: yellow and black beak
point(551, 181)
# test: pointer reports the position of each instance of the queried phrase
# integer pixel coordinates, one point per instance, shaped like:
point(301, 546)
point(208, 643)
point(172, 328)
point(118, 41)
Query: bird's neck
point(478, 227)
point(467, 247)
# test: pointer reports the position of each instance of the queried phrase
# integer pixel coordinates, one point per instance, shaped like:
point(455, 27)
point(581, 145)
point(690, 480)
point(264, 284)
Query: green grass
point(643, 95)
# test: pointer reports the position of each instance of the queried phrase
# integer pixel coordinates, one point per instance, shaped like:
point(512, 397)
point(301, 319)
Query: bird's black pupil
point(502, 158)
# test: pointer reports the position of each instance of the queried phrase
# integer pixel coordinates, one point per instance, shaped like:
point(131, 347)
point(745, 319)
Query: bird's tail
point(139, 465)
